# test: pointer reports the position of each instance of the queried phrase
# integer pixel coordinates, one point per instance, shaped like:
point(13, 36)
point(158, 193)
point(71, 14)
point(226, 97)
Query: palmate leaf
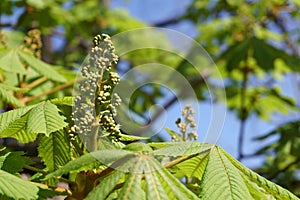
point(97, 157)
point(260, 51)
point(221, 180)
point(221, 176)
point(25, 123)
point(158, 183)
point(54, 150)
point(181, 148)
point(41, 67)
point(45, 118)
point(269, 188)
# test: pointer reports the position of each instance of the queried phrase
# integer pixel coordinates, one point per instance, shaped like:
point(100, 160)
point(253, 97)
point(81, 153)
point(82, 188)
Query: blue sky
point(153, 11)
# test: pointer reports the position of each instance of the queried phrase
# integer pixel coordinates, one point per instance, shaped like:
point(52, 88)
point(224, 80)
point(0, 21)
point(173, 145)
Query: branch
point(8, 25)
point(243, 112)
point(34, 169)
point(167, 22)
point(194, 83)
point(36, 82)
point(60, 87)
point(63, 191)
point(281, 24)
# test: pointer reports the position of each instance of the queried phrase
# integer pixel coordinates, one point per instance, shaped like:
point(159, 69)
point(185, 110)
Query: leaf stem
point(34, 169)
point(36, 82)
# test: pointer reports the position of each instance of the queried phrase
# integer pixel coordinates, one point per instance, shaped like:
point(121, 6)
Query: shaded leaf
point(105, 156)
point(13, 162)
point(54, 150)
point(9, 98)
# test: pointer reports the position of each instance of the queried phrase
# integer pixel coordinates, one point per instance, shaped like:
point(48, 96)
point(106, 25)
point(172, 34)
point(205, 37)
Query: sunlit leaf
point(11, 62)
point(45, 118)
point(41, 67)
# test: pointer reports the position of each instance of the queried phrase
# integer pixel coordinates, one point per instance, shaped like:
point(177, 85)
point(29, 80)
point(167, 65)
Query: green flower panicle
point(95, 104)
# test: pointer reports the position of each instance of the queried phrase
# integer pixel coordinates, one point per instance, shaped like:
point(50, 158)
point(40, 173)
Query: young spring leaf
point(54, 150)
point(11, 62)
point(41, 67)
point(45, 118)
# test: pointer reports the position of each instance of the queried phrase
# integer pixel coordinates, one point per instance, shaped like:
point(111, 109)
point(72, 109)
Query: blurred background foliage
point(255, 45)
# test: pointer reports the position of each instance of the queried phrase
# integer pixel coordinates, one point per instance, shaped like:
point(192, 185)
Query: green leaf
point(13, 162)
point(269, 187)
point(124, 137)
point(67, 101)
point(262, 50)
point(11, 62)
point(105, 156)
point(174, 134)
point(138, 147)
point(158, 180)
point(106, 186)
point(221, 180)
point(192, 168)
point(45, 118)
point(236, 54)
point(54, 150)
point(15, 89)
point(183, 148)
point(25, 123)
point(17, 130)
point(7, 118)
point(16, 188)
point(132, 186)
point(8, 97)
point(173, 188)
point(41, 67)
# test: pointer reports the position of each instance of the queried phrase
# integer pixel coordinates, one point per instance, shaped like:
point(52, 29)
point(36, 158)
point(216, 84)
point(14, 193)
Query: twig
point(60, 87)
point(34, 169)
point(243, 113)
point(63, 191)
point(36, 82)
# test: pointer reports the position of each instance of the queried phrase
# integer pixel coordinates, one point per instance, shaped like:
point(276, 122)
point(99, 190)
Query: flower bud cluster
point(188, 123)
point(33, 42)
point(95, 107)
